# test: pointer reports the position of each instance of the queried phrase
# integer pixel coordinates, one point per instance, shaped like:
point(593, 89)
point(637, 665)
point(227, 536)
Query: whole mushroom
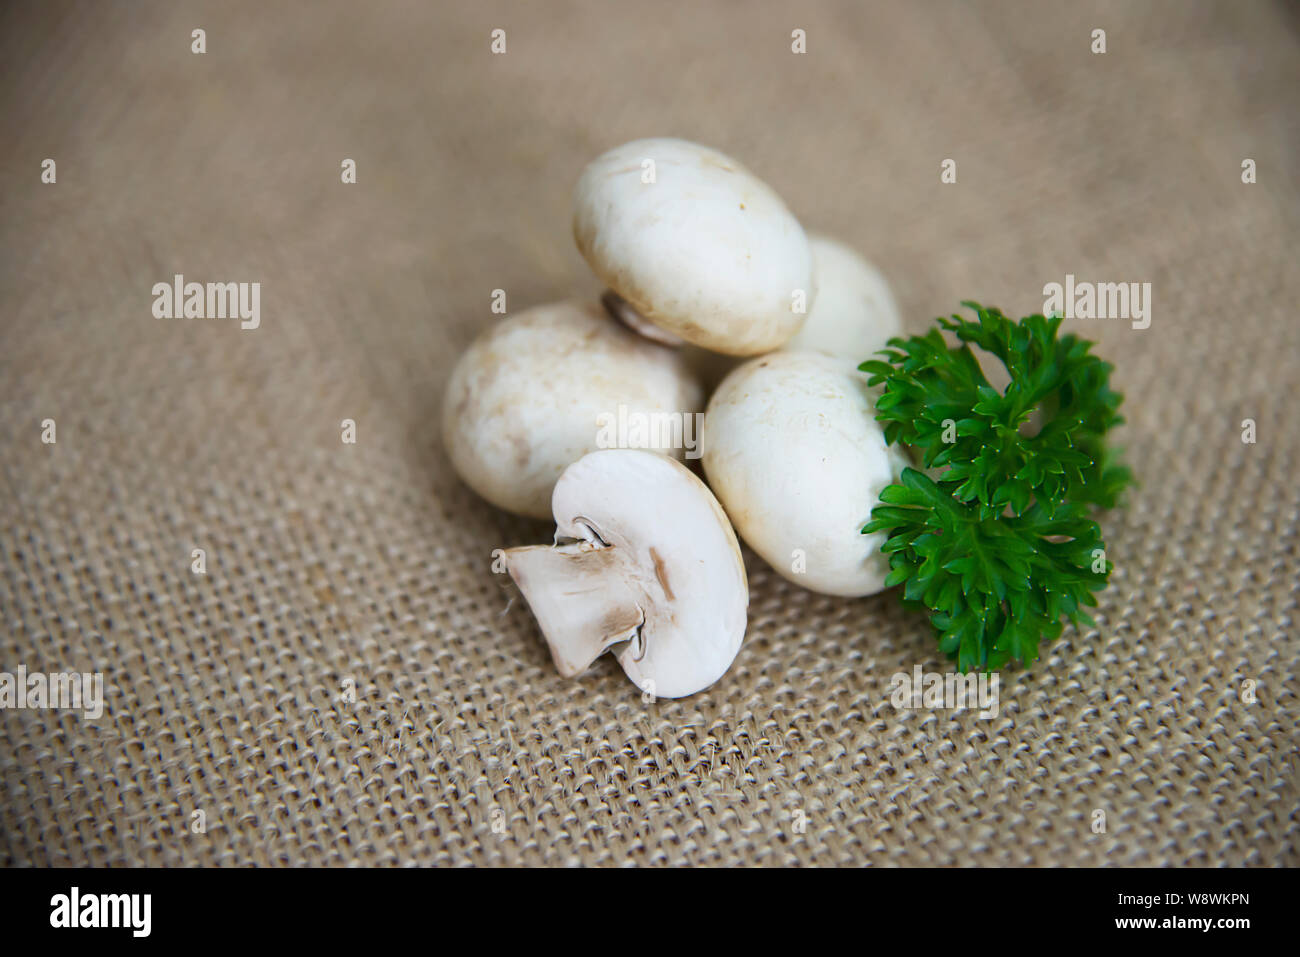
point(527, 399)
point(792, 449)
point(644, 558)
point(854, 313)
point(694, 246)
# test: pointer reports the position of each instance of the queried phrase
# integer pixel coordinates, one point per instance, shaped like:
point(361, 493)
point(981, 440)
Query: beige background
point(371, 562)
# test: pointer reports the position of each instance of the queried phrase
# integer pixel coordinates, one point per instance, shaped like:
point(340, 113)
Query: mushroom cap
point(525, 400)
point(794, 453)
point(679, 558)
point(854, 313)
point(707, 251)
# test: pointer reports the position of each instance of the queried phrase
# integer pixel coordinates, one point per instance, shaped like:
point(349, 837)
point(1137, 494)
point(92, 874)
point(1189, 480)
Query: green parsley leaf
point(999, 547)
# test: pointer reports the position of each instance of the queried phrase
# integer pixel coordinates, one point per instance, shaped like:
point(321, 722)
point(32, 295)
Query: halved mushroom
point(527, 399)
point(644, 556)
point(694, 245)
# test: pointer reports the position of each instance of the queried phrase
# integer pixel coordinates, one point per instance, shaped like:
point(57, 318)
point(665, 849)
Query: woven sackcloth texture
point(350, 683)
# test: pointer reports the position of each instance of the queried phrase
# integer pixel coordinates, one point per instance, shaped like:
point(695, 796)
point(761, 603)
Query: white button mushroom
point(643, 555)
point(694, 244)
point(792, 449)
point(527, 399)
point(854, 313)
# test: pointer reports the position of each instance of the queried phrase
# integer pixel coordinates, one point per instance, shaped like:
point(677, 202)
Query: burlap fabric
point(349, 682)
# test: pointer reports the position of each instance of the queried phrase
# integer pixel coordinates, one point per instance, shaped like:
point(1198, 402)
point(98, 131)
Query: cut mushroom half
point(646, 563)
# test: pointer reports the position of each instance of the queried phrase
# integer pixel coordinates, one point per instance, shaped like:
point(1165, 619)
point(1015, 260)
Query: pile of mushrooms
point(710, 277)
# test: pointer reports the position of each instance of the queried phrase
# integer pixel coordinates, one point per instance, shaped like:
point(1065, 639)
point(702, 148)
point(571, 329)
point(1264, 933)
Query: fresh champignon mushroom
point(793, 451)
point(643, 555)
point(527, 398)
point(694, 245)
point(854, 313)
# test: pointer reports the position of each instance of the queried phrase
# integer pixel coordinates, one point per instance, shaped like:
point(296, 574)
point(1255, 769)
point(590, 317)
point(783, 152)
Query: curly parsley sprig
point(999, 546)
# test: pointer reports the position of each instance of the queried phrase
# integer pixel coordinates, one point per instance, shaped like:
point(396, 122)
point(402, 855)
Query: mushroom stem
point(626, 313)
point(580, 598)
